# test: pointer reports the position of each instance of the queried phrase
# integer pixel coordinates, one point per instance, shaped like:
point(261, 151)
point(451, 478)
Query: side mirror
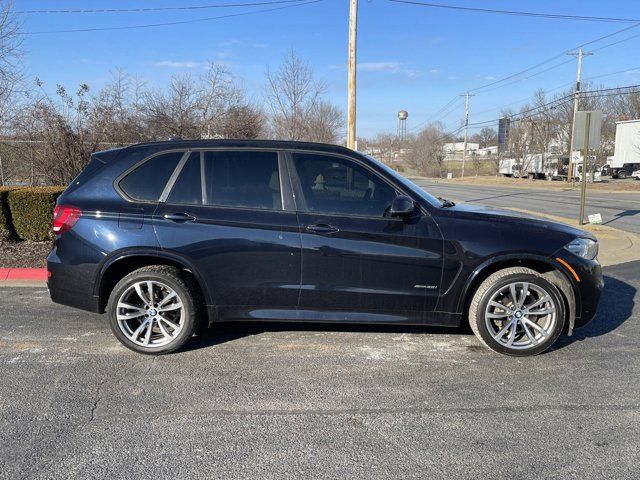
point(402, 206)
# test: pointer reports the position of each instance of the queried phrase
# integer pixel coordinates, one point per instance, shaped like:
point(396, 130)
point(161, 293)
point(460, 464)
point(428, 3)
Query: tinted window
point(242, 179)
point(148, 180)
point(337, 185)
point(188, 186)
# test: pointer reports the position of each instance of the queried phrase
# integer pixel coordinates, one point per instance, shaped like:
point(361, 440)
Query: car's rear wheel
point(517, 312)
point(153, 310)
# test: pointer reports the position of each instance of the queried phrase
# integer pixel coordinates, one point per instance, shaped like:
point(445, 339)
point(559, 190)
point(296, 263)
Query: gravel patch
point(24, 254)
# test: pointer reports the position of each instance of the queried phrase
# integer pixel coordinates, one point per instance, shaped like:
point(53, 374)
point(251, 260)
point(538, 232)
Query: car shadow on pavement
point(229, 331)
point(616, 306)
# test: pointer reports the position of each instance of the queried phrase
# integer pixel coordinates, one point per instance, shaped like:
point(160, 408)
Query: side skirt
point(252, 313)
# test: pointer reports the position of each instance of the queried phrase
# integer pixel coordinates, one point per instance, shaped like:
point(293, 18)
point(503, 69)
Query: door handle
point(179, 217)
point(322, 228)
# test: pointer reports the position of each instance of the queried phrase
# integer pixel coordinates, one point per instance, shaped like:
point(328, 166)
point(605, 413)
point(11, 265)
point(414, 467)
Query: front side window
point(147, 182)
point(337, 185)
point(247, 179)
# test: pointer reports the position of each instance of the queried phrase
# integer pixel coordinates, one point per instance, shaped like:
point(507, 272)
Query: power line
point(509, 77)
point(165, 24)
point(158, 9)
point(520, 13)
point(440, 113)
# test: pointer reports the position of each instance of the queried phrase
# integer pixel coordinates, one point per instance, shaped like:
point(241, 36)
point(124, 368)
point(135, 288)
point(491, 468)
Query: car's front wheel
point(153, 310)
point(517, 312)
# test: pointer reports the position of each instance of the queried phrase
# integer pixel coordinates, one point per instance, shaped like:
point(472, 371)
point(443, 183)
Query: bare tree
point(426, 150)
point(174, 112)
point(294, 98)
point(10, 49)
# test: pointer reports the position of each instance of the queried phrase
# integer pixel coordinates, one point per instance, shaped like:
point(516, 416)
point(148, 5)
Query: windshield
point(408, 184)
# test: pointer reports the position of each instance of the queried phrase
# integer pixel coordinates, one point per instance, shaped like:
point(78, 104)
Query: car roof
point(238, 143)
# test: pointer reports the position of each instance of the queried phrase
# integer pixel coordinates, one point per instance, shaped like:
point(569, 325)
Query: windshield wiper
point(446, 203)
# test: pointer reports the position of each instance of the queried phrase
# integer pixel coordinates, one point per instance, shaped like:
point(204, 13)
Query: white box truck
point(626, 154)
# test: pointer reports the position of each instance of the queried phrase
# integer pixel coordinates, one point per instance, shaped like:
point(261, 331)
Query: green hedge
point(31, 211)
point(6, 226)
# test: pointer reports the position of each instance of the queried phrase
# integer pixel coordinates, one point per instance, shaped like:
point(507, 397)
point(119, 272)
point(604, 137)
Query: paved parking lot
point(274, 401)
point(618, 209)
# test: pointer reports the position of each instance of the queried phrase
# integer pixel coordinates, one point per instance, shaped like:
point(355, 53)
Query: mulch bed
point(24, 254)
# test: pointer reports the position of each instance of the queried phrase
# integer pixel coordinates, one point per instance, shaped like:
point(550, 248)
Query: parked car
point(170, 237)
point(626, 170)
point(636, 174)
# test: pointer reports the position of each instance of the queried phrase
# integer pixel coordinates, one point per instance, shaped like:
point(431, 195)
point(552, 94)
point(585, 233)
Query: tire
point(173, 316)
point(494, 326)
point(622, 175)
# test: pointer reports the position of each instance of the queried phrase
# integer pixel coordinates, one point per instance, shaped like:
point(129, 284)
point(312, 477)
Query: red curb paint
point(35, 274)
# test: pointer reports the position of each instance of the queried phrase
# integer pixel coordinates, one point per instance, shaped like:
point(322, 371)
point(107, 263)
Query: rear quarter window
point(147, 181)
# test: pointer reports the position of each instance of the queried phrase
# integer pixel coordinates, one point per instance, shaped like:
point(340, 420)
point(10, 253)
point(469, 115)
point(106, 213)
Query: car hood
point(483, 212)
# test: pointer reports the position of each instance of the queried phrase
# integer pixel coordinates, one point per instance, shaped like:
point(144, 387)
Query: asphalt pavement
point(618, 209)
point(298, 401)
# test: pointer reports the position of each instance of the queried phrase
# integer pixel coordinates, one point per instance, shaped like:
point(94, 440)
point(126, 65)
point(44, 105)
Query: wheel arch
point(550, 270)
point(123, 262)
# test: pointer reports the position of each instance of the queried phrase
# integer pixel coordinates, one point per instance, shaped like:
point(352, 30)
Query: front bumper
point(587, 281)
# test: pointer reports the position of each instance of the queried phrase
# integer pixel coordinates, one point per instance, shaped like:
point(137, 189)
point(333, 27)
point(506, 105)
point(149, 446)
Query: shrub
point(6, 225)
point(32, 210)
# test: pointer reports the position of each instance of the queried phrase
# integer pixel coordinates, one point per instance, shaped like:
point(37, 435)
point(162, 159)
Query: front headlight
point(583, 247)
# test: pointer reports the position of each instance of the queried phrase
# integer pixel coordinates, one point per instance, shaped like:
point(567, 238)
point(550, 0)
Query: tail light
point(64, 218)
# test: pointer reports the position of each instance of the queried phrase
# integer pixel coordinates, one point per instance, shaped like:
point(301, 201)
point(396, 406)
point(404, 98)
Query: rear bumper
point(71, 284)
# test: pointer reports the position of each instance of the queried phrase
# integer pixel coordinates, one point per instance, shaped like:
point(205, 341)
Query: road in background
point(333, 401)
point(619, 210)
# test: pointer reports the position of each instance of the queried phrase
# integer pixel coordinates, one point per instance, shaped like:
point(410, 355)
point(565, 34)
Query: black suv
point(626, 170)
point(169, 237)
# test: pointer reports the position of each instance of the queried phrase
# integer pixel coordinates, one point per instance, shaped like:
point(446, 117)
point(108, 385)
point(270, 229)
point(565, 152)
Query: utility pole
point(576, 96)
point(585, 157)
point(466, 130)
point(351, 83)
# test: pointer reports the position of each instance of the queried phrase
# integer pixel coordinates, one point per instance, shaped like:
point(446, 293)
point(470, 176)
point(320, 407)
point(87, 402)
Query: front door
point(355, 257)
point(225, 214)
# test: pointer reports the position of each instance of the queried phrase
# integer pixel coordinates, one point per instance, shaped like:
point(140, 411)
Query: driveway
point(295, 401)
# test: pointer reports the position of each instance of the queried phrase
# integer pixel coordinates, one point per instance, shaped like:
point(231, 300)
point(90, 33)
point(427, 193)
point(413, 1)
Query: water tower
point(402, 124)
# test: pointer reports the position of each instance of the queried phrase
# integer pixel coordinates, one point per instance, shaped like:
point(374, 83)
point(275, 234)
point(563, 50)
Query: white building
point(458, 147)
point(488, 151)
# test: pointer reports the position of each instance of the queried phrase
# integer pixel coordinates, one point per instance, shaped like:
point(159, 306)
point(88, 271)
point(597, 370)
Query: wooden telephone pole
point(351, 83)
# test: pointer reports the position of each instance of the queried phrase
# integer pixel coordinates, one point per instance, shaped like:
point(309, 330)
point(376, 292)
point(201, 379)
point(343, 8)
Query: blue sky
point(409, 57)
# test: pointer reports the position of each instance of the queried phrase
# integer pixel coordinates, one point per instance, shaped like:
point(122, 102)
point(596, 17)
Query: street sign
point(579, 129)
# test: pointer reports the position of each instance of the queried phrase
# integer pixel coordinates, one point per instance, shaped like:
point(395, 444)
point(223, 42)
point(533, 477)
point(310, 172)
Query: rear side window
point(242, 179)
point(147, 182)
point(188, 186)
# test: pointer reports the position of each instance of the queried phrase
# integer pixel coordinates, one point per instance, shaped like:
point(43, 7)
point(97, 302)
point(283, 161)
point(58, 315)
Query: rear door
point(354, 256)
point(229, 212)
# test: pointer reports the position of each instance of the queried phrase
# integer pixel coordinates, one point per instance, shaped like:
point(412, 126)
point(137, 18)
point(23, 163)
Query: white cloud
point(260, 45)
point(173, 64)
point(452, 78)
point(489, 77)
point(379, 66)
point(434, 70)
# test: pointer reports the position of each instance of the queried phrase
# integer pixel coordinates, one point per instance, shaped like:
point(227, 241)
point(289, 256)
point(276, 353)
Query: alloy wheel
point(521, 315)
point(150, 314)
